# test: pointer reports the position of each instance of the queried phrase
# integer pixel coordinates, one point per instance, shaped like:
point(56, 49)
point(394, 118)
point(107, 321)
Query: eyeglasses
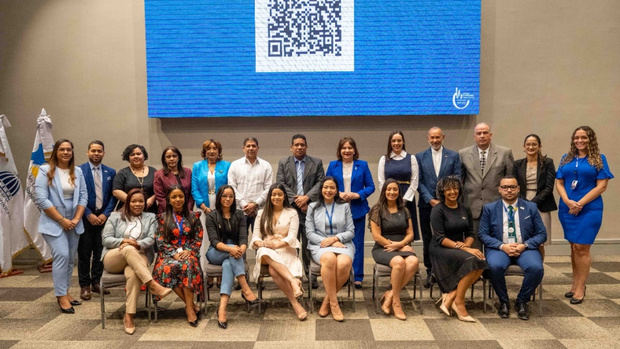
point(507, 187)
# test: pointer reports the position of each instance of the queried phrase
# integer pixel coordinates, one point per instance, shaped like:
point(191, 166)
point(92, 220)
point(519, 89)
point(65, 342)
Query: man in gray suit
point(301, 175)
point(484, 165)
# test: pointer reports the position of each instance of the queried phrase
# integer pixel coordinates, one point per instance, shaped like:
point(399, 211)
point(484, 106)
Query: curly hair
point(448, 182)
point(593, 153)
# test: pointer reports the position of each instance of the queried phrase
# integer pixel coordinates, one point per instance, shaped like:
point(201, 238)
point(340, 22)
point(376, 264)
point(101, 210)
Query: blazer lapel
point(307, 168)
point(58, 188)
point(522, 215)
point(491, 156)
point(500, 220)
point(444, 160)
point(475, 160)
point(293, 171)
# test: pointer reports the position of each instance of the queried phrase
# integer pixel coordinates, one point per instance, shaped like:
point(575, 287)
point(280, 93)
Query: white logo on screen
point(461, 100)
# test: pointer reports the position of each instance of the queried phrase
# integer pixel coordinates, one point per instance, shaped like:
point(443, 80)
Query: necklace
point(139, 178)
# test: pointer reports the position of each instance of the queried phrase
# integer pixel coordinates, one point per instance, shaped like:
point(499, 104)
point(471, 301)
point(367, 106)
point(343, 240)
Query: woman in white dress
point(276, 244)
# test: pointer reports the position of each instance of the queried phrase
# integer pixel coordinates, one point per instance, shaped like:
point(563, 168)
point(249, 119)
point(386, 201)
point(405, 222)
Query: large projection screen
point(220, 58)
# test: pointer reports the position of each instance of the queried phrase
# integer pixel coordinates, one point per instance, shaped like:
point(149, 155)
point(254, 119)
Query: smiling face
point(212, 153)
point(509, 189)
point(435, 138)
point(172, 159)
point(177, 200)
point(250, 149)
point(451, 194)
point(482, 135)
point(531, 146)
point(277, 198)
point(347, 152)
point(391, 192)
point(228, 197)
point(64, 154)
point(299, 148)
point(136, 204)
point(95, 153)
point(136, 157)
point(581, 140)
point(397, 143)
point(329, 190)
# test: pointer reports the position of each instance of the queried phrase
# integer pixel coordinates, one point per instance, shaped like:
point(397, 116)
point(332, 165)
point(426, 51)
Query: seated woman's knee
point(397, 262)
point(328, 259)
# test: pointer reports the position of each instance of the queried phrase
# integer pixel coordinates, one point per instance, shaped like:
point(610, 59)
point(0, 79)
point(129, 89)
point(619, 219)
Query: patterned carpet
point(29, 318)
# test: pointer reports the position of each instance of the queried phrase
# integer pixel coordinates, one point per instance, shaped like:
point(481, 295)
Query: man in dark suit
point(483, 165)
point(301, 175)
point(512, 231)
point(434, 163)
point(99, 180)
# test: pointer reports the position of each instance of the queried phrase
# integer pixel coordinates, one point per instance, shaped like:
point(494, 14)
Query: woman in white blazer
point(60, 193)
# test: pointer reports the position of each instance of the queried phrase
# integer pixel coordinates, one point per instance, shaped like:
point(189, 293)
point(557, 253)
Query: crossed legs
point(290, 285)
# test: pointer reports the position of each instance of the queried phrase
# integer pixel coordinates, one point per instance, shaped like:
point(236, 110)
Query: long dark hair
point(169, 221)
point(218, 199)
point(54, 162)
point(541, 157)
point(179, 162)
point(126, 211)
point(389, 145)
point(383, 204)
point(336, 198)
point(594, 154)
point(266, 219)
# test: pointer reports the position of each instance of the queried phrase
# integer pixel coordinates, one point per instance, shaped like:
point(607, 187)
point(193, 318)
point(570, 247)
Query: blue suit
point(362, 184)
point(89, 246)
point(63, 243)
point(427, 183)
point(200, 184)
point(533, 234)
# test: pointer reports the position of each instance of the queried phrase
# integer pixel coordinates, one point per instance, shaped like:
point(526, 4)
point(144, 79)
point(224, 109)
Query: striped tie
point(483, 160)
point(98, 188)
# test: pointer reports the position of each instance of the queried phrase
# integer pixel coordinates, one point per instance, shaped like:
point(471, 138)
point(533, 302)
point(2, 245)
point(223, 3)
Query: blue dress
point(579, 178)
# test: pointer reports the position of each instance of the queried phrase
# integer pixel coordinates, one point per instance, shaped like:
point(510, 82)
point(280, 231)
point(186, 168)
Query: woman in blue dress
point(581, 179)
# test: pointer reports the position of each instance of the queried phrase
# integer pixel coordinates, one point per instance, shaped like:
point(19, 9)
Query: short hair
point(206, 144)
point(298, 135)
point(341, 143)
point(448, 182)
point(130, 148)
point(96, 141)
point(253, 139)
point(509, 177)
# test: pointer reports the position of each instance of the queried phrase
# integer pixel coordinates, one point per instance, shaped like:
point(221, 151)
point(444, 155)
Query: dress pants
point(301, 236)
point(358, 241)
point(411, 206)
point(531, 263)
point(135, 265)
point(231, 267)
point(89, 270)
point(64, 249)
point(427, 235)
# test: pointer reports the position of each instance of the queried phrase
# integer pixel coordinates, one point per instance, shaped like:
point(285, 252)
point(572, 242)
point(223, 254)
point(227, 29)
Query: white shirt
point(486, 153)
point(251, 181)
point(413, 186)
point(437, 159)
point(505, 222)
point(65, 181)
point(347, 172)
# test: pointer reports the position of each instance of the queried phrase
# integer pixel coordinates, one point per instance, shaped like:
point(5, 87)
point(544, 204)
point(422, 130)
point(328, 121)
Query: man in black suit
point(301, 175)
point(98, 178)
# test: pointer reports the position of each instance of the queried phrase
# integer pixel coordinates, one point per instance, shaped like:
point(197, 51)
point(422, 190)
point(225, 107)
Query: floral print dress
point(170, 272)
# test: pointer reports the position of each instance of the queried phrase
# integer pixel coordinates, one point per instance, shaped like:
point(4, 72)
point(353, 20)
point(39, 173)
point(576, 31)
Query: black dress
point(393, 227)
point(450, 265)
point(125, 180)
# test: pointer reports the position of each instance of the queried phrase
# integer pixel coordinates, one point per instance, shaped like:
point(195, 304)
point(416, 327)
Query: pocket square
point(528, 217)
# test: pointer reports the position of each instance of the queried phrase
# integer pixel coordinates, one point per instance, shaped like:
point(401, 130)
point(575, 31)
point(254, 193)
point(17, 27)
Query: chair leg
point(259, 286)
point(102, 301)
point(310, 299)
point(484, 295)
point(351, 287)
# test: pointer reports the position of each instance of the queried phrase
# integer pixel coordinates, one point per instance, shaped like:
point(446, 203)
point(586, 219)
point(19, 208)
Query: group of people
point(477, 197)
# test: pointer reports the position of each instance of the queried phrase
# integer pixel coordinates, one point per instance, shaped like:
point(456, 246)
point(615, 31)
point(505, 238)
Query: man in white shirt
point(512, 232)
point(434, 163)
point(251, 177)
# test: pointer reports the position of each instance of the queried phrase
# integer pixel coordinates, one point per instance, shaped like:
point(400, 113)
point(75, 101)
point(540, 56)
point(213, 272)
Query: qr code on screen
point(304, 35)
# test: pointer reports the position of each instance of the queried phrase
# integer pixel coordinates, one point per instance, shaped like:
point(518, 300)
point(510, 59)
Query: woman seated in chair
point(226, 227)
point(330, 231)
point(390, 225)
point(456, 264)
point(128, 247)
point(178, 263)
point(276, 244)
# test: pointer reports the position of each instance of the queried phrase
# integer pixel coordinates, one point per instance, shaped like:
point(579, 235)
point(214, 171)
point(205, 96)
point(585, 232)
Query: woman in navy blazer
point(355, 185)
point(203, 188)
point(60, 192)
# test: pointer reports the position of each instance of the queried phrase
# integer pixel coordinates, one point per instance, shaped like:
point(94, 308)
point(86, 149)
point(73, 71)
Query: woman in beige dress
point(276, 244)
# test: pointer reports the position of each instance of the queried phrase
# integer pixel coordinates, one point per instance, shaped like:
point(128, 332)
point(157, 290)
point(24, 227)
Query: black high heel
point(254, 302)
point(75, 302)
point(222, 325)
point(574, 300)
point(69, 310)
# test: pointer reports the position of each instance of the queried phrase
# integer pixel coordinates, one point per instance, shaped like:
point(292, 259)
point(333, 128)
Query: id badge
point(512, 240)
point(573, 184)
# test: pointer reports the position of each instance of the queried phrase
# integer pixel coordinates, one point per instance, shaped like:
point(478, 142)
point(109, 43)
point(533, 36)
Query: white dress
point(286, 230)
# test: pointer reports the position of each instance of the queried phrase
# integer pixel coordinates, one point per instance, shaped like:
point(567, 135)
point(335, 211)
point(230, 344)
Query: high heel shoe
point(69, 310)
point(386, 303)
point(250, 302)
point(300, 289)
point(336, 312)
point(75, 302)
point(569, 294)
point(222, 325)
point(443, 307)
point(467, 318)
point(325, 305)
point(398, 312)
point(574, 300)
point(159, 290)
point(129, 330)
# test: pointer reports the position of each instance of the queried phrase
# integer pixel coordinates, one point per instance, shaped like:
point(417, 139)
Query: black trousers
point(427, 234)
point(90, 266)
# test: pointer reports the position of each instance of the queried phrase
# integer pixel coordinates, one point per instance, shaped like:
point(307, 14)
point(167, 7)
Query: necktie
point(98, 188)
point(512, 233)
point(300, 177)
point(483, 160)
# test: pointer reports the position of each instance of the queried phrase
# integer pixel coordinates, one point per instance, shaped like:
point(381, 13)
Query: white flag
point(12, 234)
point(41, 152)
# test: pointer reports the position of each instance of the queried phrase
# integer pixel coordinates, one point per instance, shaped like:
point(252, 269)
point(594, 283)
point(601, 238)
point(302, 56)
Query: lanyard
point(179, 224)
point(512, 231)
point(330, 218)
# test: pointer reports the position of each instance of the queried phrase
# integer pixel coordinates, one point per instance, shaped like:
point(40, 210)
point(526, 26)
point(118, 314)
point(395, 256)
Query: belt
point(403, 182)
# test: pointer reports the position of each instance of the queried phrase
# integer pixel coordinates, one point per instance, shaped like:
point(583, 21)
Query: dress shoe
point(299, 289)
point(221, 324)
point(386, 303)
point(358, 285)
point(324, 305)
point(69, 310)
point(569, 294)
point(336, 312)
point(398, 312)
point(96, 289)
point(75, 302)
point(522, 310)
point(574, 300)
point(130, 330)
point(466, 318)
point(159, 290)
point(85, 293)
point(249, 302)
point(444, 309)
point(504, 310)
